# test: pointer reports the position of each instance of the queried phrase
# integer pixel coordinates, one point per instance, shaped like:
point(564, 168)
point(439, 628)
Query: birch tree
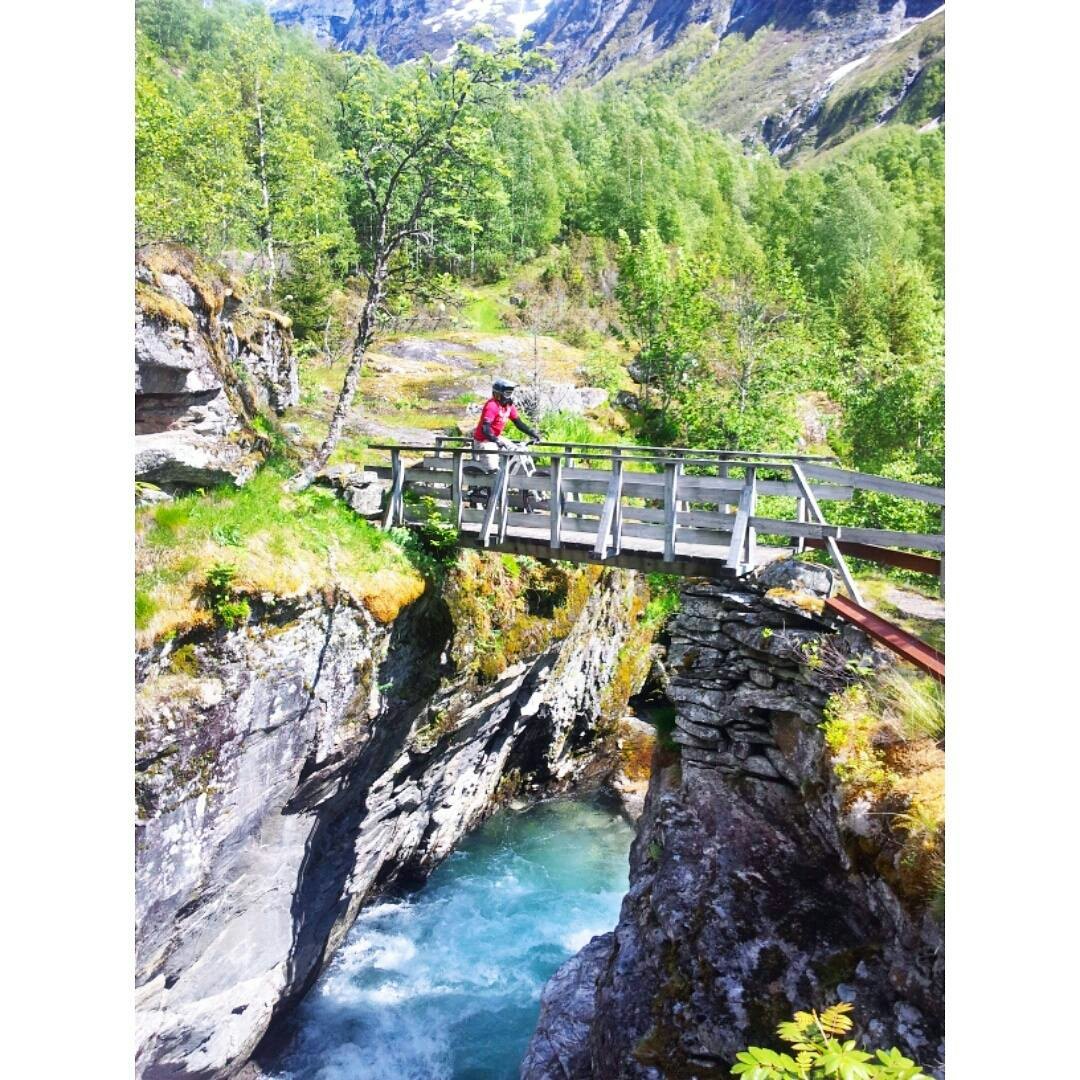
point(411, 142)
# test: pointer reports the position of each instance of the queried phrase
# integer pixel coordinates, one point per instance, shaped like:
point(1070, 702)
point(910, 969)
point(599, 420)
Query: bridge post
point(800, 517)
point(455, 487)
point(616, 535)
point(741, 529)
point(751, 532)
point(395, 506)
point(611, 504)
point(723, 471)
point(493, 501)
point(556, 501)
point(439, 439)
point(672, 471)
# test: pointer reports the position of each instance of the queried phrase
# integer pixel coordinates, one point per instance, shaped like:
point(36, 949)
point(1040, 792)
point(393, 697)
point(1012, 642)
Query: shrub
point(227, 608)
point(819, 1053)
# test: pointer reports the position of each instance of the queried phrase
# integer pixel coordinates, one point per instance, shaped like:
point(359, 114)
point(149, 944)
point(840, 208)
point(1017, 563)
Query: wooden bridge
point(677, 510)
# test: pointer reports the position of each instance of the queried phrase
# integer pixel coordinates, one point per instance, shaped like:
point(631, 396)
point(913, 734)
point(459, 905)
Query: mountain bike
point(521, 464)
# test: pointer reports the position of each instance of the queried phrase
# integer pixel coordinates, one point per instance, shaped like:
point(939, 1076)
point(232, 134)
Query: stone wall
point(744, 905)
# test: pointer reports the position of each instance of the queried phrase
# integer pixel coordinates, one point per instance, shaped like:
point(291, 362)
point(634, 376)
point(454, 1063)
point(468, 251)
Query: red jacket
point(497, 416)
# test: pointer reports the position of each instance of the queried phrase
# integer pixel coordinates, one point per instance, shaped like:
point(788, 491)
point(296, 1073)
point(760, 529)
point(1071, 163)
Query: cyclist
point(488, 436)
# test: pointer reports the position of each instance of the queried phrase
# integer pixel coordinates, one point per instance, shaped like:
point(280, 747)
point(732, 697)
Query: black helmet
point(503, 388)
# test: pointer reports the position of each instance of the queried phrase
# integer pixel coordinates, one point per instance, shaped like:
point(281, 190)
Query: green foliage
point(741, 284)
point(234, 143)
point(438, 537)
point(231, 611)
point(664, 599)
point(566, 427)
point(819, 1053)
point(850, 726)
point(145, 608)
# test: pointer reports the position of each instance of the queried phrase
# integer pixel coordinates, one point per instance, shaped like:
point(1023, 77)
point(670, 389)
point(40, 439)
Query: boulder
point(796, 576)
point(362, 490)
point(207, 361)
point(539, 399)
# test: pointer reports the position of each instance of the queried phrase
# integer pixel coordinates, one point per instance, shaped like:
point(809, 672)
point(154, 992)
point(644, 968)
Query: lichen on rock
point(207, 363)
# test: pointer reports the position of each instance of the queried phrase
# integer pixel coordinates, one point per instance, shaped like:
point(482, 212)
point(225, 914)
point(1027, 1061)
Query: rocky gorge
point(289, 771)
point(336, 739)
point(749, 898)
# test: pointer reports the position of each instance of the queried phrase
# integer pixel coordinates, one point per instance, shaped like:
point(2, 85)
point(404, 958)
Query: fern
point(819, 1055)
point(834, 1020)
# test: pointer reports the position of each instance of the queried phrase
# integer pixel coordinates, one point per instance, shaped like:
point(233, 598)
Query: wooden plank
point(520, 523)
point(800, 514)
point(751, 532)
point(900, 641)
point(617, 524)
point(649, 485)
point(456, 488)
point(398, 477)
point(891, 538)
point(830, 541)
point(742, 521)
point(614, 494)
point(868, 482)
point(644, 561)
point(556, 503)
point(493, 502)
point(671, 496)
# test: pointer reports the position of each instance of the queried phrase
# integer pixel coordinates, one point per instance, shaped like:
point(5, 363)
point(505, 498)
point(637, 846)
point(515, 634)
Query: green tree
point(412, 140)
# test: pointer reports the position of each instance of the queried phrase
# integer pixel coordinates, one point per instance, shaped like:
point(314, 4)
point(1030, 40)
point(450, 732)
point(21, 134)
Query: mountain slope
point(775, 72)
point(406, 29)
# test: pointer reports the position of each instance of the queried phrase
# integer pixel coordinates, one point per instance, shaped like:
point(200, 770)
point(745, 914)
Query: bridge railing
point(665, 502)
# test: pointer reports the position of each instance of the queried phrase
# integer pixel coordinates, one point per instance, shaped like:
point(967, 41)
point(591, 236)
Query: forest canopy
point(741, 285)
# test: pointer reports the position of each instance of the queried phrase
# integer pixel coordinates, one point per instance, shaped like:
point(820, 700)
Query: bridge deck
point(683, 511)
point(691, 560)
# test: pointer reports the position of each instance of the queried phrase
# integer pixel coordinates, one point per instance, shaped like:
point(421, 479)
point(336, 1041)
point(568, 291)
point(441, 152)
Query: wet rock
point(743, 904)
point(289, 771)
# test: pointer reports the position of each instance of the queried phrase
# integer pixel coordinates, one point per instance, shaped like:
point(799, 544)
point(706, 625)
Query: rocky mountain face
point(758, 69)
point(745, 902)
point(288, 771)
point(207, 361)
point(407, 29)
point(591, 38)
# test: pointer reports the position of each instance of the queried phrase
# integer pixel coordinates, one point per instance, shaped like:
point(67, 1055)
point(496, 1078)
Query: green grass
point(874, 587)
point(483, 314)
point(278, 544)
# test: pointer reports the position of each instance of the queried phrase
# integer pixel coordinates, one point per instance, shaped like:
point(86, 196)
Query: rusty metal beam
point(900, 641)
point(906, 560)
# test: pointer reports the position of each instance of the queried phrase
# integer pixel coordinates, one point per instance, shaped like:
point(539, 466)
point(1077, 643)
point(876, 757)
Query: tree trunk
point(268, 226)
point(365, 331)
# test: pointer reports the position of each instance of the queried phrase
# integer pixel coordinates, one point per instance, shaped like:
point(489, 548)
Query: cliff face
point(289, 771)
point(207, 361)
point(744, 904)
point(404, 30)
point(764, 70)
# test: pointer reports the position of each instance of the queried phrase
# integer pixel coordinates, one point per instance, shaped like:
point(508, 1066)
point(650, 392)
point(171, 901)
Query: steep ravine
point(290, 770)
point(747, 900)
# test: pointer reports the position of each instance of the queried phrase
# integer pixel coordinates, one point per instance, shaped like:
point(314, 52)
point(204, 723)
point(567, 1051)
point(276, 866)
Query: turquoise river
point(444, 983)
